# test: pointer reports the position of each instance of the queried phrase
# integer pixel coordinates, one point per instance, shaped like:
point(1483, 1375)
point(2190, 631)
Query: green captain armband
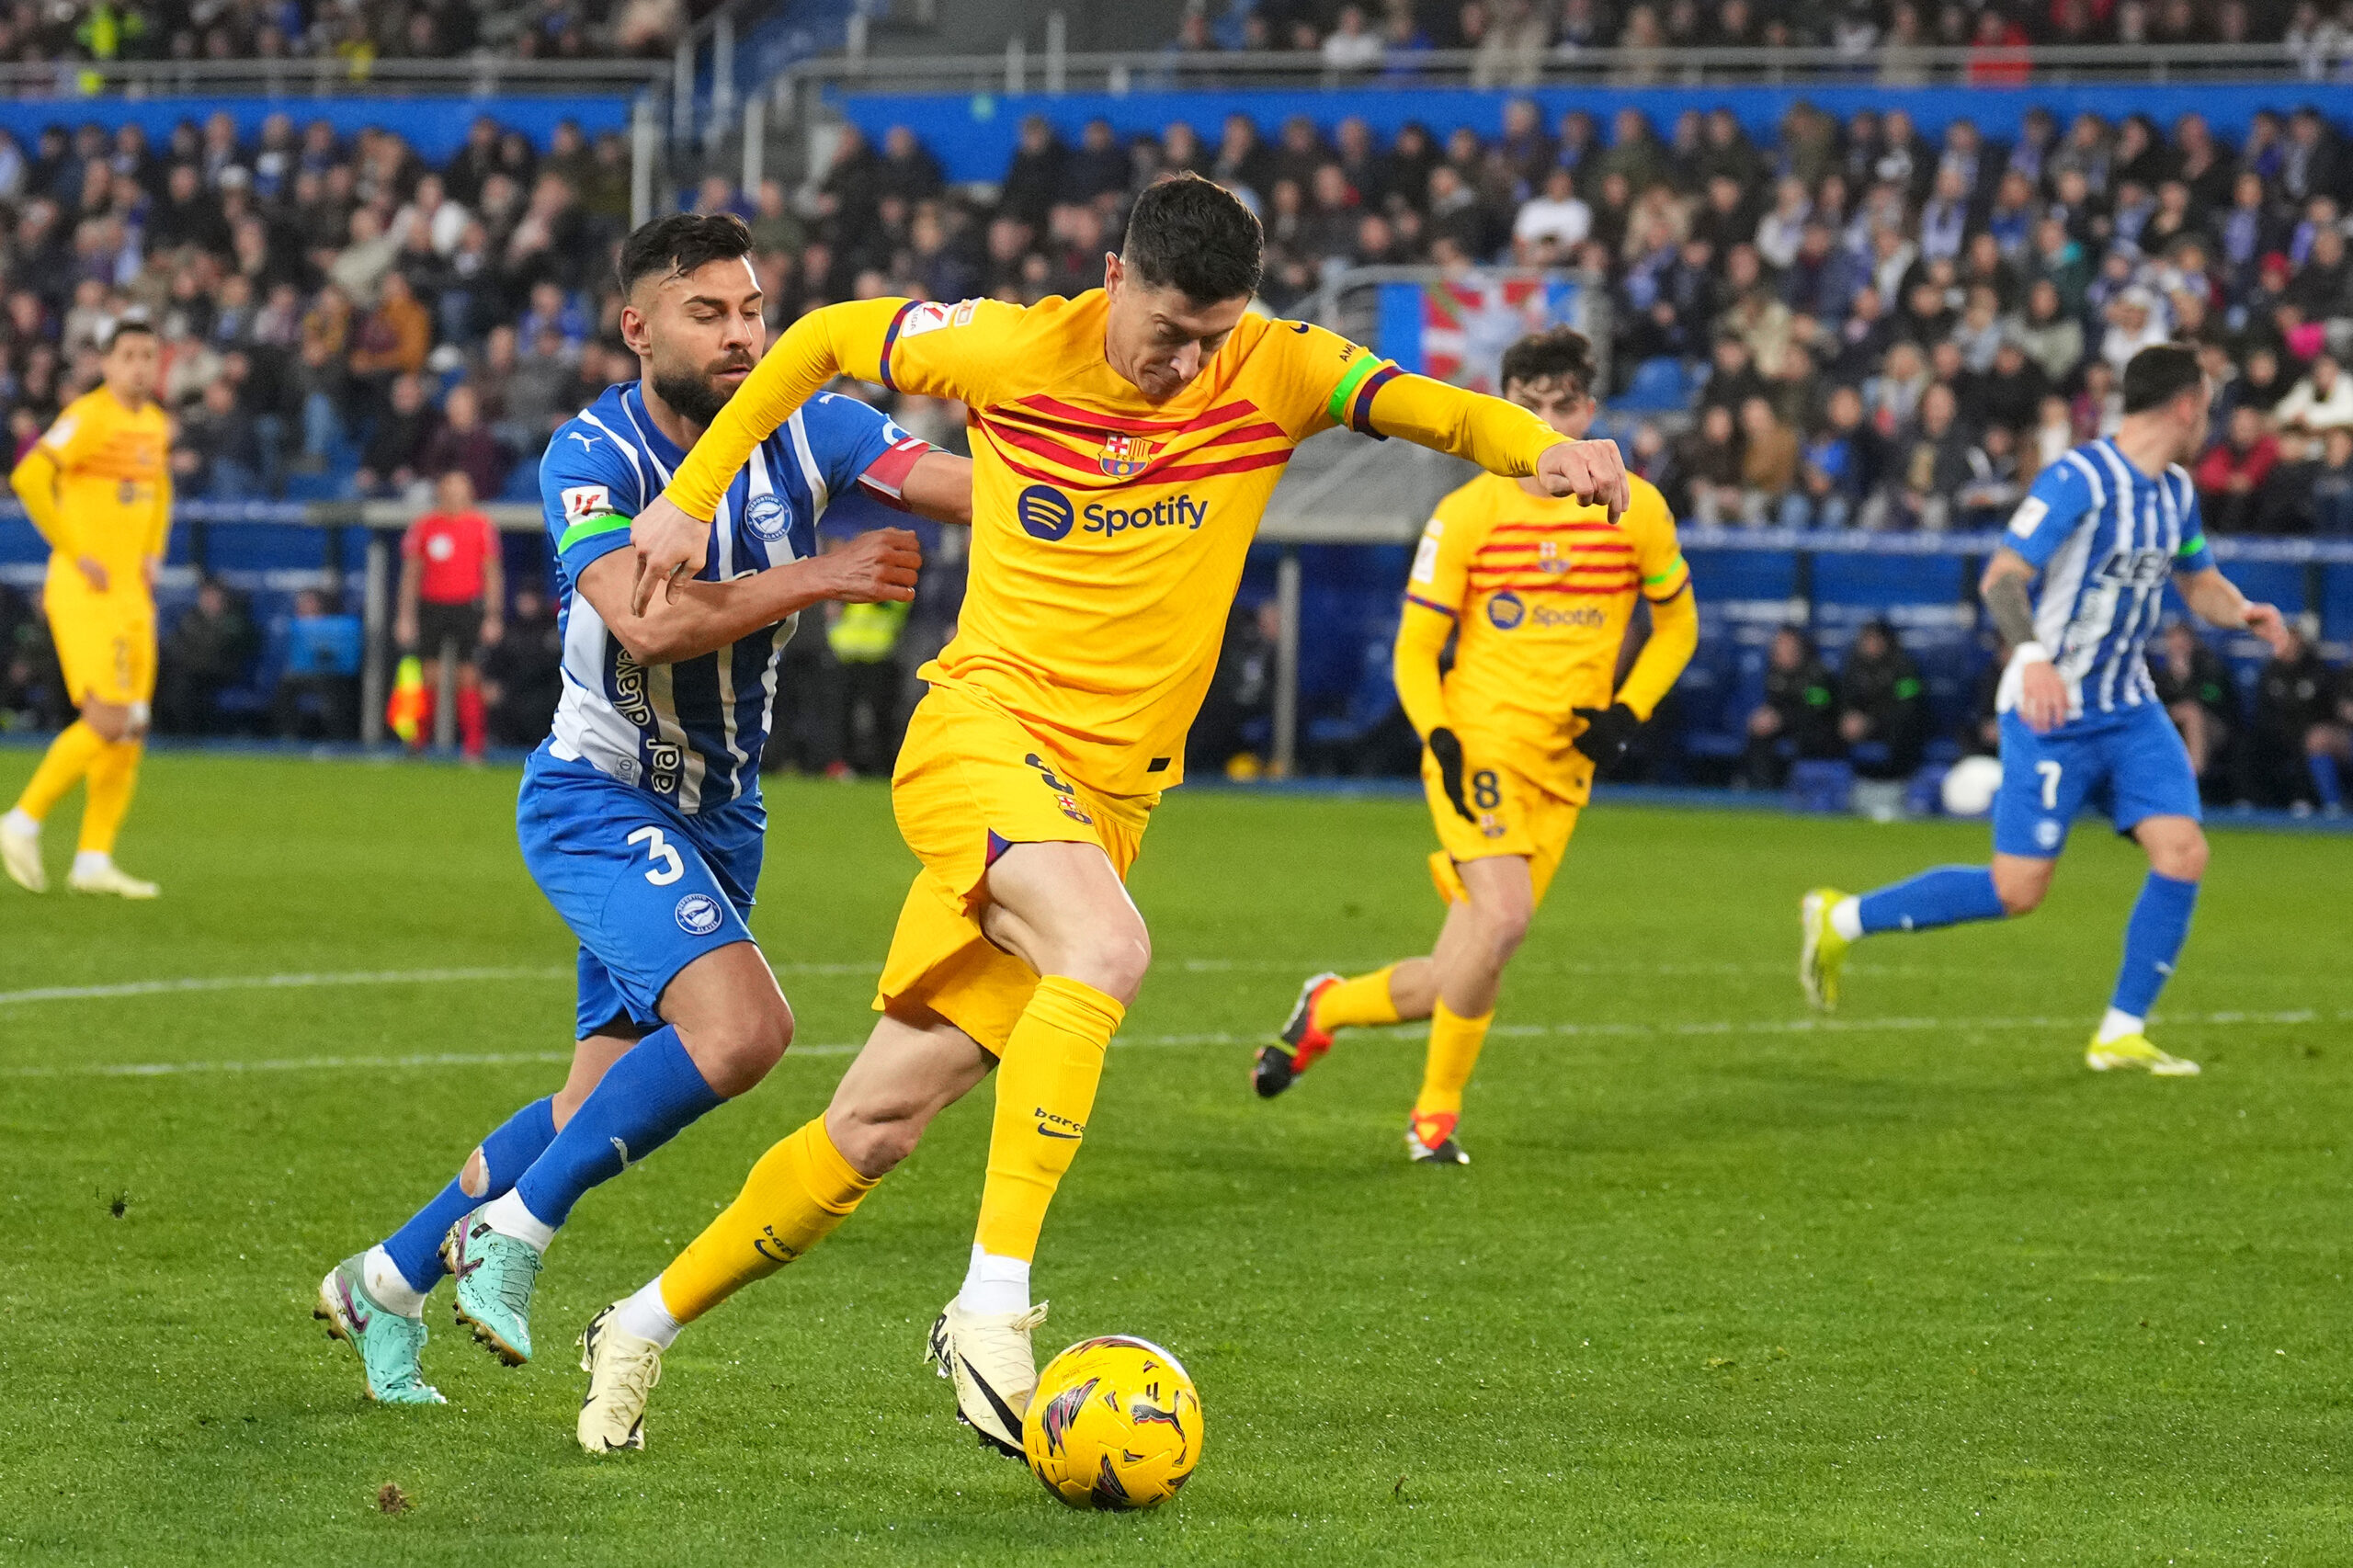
point(589, 527)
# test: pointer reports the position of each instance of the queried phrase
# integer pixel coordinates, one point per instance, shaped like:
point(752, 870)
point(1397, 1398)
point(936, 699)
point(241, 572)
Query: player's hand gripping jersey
point(111, 504)
point(692, 731)
point(1108, 532)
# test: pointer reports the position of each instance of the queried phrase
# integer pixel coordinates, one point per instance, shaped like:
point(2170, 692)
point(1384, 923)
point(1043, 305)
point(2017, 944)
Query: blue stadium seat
point(1821, 786)
point(1658, 386)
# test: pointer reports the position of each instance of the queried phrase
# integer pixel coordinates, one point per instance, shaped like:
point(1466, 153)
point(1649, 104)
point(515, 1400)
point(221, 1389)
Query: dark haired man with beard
point(641, 815)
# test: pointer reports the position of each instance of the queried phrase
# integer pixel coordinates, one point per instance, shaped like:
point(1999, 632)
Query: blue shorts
point(647, 889)
point(2128, 766)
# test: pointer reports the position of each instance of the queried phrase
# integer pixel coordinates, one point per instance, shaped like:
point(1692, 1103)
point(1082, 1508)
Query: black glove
point(1607, 733)
point(1449, 752)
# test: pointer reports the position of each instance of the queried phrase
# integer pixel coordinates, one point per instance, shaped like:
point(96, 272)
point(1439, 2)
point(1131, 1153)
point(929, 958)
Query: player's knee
point(2182, 857)
point(738, 1054)
point(1113, 961)
point(111, 723)
point(2020, 893)
point(875, 1135)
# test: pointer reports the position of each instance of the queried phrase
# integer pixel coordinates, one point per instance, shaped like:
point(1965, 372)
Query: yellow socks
point(1454, 1051)
point(113, 776)
point(1355, 1001)
point(69, 755)
point(800, 1190)
point(1045, 1090)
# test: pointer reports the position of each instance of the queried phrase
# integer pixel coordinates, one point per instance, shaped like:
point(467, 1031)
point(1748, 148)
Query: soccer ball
point(1115, 1424)
point(1970, 784)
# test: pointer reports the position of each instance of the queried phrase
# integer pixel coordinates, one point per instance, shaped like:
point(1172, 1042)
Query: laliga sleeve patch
point(60, 433)
point(1426, 553)
point(2029, 513)
point(585, 501)
point(931, 315)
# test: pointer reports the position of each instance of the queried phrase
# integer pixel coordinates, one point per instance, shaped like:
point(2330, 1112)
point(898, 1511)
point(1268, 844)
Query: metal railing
point(1019, 69)
point(323, 76)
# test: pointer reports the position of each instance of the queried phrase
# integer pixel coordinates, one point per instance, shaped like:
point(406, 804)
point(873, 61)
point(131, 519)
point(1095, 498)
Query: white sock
point(647, 1315)
point(390, 1286)
point(2116, 1025)
point(22, 825)
point(1846, 917)
point(89, 861)
point(995, 1284)
point(508, 1217)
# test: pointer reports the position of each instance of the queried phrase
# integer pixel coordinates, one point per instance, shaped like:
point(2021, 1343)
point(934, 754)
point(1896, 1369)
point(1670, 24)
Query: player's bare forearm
point(940, 487)
point(699, 618)
point(2003, 591)
point(2216, 600)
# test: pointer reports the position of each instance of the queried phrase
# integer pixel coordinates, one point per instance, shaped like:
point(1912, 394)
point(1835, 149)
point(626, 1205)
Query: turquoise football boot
point(388, 1343)
point(495, 1274)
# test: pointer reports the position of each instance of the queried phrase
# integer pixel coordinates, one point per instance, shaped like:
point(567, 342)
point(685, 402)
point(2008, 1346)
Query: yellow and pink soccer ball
point(1115, 1424)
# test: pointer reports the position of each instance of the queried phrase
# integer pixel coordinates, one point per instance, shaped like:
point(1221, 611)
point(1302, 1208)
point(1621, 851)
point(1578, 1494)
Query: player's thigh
point(108, 659)
point(1502, 890)
point(1502, 805)
point(2046, 779)
point(629, 878)
point(1061, 908)
point(2152, 781)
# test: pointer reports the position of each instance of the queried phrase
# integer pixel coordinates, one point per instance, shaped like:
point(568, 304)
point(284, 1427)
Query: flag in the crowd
point(1457, 331)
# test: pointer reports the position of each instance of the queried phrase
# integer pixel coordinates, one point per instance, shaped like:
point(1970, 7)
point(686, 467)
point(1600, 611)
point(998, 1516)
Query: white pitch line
point(1556, 1031)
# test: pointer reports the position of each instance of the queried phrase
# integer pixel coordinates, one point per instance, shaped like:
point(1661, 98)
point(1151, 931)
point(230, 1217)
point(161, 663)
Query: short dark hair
point(1562, 354)
point(2160, 373)
point(1194, 235)
point(135, 326)
point(681, 243)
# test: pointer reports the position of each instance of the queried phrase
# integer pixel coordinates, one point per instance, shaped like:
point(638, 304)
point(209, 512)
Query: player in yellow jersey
point(98, 487)
point(1536, 594)
point(1124, 444)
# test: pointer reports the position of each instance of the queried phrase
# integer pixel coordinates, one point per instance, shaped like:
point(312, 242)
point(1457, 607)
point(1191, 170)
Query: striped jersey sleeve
point(591, 485)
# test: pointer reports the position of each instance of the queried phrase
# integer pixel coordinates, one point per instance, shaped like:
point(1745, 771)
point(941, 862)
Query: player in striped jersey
point(1537, 594)
point(2106, 528)
point(641, 817)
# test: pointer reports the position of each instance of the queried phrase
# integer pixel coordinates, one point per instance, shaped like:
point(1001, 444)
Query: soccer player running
point(1535, 592)
point(2106, 528)
point(1125, 443)
point(641, 817)
point(98, 486)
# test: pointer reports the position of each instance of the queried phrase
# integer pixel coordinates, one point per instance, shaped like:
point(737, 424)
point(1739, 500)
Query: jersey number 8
point(1486, 792)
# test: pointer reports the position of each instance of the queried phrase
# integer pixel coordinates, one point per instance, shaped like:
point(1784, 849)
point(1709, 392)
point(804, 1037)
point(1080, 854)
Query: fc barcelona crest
point(1126, 456)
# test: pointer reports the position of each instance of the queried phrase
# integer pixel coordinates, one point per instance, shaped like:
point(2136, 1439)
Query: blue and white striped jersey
point(2108, 540)
point(691, 733)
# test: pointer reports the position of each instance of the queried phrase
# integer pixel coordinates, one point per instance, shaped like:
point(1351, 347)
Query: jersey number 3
point(667, 866)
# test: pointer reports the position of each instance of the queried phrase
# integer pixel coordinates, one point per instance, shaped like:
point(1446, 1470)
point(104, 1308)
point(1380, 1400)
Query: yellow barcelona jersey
point(1541, 591)
point(112, 488)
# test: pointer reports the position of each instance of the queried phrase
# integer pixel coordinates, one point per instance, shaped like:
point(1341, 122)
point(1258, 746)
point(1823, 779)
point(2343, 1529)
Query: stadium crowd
point(101, 31)
point(1512, 40)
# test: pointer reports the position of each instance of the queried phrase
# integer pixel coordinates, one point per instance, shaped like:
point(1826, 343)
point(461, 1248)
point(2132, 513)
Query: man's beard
point(694, 397)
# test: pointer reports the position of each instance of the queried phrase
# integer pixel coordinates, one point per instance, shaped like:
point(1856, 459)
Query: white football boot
point(20, 852)
point(988, 1357)
point(106, 876)
point(622, 1369)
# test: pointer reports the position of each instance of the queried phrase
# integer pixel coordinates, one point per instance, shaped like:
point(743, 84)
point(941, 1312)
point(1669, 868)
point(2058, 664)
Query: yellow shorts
point(107, 650)
point(1517, 816)
point(972, 782)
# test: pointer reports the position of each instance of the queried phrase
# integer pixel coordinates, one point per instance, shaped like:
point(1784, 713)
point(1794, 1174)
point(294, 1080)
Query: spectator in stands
point(1768, 465)
point(1933, 462)
point(1797, 719)
point(1838, 468)
point(1548, 227)
point(452, 601)
point(2232, 476)
point(2293, 694)
point(1883, 705)
point(317, 693)
point(2322, 400)
point(1708, 469)
point(2328, 745)
point(218, 455)
point(392, 461)
point(2195, 685)
point(209, 650)
point(463, 444)
point(2332, 487)
point(522, 671)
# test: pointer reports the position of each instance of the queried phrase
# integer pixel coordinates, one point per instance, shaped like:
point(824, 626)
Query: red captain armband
point(885, 478)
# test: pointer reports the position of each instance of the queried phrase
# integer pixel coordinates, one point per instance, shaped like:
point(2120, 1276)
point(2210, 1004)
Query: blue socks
point(2152, 940)
point(415, 1247)
point(647, 1098)
point(2329, 779)
point(1944, 895)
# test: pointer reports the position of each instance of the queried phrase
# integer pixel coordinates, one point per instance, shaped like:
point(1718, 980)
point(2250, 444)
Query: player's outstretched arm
point(2216, 600)
point(669, 537)
point(697, 617)
point(1501, 438)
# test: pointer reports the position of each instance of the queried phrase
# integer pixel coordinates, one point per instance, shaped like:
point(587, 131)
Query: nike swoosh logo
point(621, 1149)
point(1050, 1132)
point(360, 1317)
point(1004, 1412)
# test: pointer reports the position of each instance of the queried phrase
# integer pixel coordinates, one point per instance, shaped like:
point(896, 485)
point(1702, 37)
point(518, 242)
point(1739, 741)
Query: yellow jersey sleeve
point(78, 430)
point(1658, 557)
point(959, 350)
point(1442, 570)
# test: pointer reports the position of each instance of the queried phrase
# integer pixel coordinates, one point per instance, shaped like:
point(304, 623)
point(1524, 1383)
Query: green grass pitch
point(1721, 1287)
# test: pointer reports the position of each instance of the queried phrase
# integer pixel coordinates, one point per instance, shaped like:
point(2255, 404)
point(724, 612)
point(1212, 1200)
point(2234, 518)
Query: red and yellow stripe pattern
point(1056, 443)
